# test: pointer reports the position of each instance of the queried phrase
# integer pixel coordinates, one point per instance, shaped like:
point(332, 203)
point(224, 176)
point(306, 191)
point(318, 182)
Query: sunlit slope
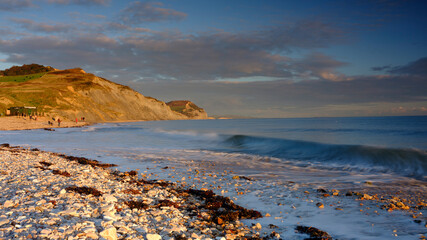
point(74, 94)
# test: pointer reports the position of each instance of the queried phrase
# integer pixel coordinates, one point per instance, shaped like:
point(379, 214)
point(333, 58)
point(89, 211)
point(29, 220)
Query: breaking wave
point(407, 162)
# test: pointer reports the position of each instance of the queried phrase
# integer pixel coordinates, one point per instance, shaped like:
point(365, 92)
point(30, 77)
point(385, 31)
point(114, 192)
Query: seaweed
point(84, 190)
point(86, 161)
point(132, 191)
point(136, 204)
point(222, 208)
point(141, 182)
point(44, 163)
point(63, 173)
point(167, 203)
point(314, 233)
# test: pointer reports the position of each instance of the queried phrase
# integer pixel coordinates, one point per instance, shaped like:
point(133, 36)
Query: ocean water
point(282, 155)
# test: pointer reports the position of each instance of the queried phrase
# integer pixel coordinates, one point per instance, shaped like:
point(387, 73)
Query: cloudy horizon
point(253, 59)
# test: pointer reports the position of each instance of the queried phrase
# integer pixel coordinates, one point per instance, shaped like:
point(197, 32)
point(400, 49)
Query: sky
point(251, 58)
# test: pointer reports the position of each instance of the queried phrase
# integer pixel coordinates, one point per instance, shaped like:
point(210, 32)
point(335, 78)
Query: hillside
point(188, 108)
point(74, 94)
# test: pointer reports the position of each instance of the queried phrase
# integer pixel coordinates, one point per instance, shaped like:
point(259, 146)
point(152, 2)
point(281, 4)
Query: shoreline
point(55, 196)
point(53, 176)
point(14, 123)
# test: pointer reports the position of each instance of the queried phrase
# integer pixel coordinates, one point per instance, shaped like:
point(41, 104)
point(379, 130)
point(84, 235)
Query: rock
point(107, 208)
point(109, 233)
point(150, 236)
point(320, 205)
point(335, 192)
point(3, 222)
point(258, 226)
point(366, 197)
point(272, 226)
point(89, 230)
point(110, 198)
point(92, 235)
point(195, 236)
point(8, 204)
point(313, 232)
point(45, 232)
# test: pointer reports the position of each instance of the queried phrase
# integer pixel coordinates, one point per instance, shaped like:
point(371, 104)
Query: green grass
point(21, 78)
point(179, 109)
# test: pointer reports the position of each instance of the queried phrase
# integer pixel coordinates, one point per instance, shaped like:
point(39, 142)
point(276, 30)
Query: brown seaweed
point(314, 233)
point(84, 190)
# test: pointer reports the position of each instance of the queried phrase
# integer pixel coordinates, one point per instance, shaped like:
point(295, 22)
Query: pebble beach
point(171, 193)
point(52, 196)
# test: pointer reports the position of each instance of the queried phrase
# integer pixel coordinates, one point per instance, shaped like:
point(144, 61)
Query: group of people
point(82, 119)
point(51, 123)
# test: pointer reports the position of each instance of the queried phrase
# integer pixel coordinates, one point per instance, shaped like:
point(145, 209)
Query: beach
point(25, 123)
point(53, 196)
point(188, 164)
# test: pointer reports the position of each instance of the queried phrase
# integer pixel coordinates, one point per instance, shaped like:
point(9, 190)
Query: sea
point(279, 164)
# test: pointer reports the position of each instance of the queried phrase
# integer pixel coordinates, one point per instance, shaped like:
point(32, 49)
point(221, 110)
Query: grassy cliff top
point(26, 69)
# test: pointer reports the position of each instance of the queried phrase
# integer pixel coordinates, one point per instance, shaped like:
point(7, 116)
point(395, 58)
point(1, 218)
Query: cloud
point(381, 68)
point(80, 2)
point(143, 12)
point(179, 56)
point(157, 56)
point(14, 5)
point(41, 27)
point(418, 67)
point(319, 66)
point(365, 95)
point(217, 55)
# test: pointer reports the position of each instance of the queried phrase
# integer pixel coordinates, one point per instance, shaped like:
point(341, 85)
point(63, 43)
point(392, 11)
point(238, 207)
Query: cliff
point(188, 108)
point(73, 93)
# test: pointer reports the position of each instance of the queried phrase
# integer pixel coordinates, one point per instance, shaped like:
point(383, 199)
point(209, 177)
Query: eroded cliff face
point(188, 108)
point(74, 94)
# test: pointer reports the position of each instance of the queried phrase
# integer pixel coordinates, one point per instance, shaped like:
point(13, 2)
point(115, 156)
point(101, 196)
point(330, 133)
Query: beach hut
point(18, 111)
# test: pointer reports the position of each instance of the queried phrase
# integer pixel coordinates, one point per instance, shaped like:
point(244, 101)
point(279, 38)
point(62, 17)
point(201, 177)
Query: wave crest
point(407, 162)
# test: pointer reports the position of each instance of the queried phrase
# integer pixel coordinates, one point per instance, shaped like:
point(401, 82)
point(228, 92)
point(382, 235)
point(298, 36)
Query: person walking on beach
point(59, 122)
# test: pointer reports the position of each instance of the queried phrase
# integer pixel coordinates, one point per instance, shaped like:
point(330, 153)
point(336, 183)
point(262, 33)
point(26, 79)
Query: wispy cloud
point(41, 27)
point(15, 5)
point(143, 12)
point(381, 68)
point(80, 2)
point(418, 67)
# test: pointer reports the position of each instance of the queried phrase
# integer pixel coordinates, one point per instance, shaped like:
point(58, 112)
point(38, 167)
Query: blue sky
point(241, 57)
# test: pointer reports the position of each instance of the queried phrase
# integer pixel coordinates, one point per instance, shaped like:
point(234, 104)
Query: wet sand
point(24, 123)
